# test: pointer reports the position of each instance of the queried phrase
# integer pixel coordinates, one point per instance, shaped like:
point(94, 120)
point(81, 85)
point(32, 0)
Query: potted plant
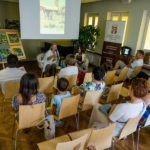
point(87, 37)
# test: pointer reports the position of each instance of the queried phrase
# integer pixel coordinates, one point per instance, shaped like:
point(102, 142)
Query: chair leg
point(112, 146)
point(3, 109)
point(76, 121)
point(133, 139)
point(138, 138)
point(16, 139)
point(13, 127)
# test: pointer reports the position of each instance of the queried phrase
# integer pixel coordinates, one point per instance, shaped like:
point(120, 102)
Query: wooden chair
point(26, 120)
point(147, 123)
point(130, 127)
point(77, 144)
point(109, 79)
point(124, 92)
point(46, 86)
point(11, 88)
point(102, 138)
point(113, 94)
point(63, 143)
point(88, 77)
point(91, 98)
point(68, 108)
point(122, 76)
point(72, 81)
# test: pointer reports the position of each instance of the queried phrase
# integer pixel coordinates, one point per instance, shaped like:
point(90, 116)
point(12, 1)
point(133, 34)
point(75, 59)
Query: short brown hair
point(141, 52)
point(140, 87)
point(70, 60)
point(62, 84)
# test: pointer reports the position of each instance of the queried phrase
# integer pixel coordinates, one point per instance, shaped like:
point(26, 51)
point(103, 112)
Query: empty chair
point(102, 138)
point(109, 78)
point(26, 120)
point(72, 81)
point(147, 123)
point(88, 77)
point(11, 88)
point(122, 76)
point(129, 128)
point(63, 143)
point(113, 94)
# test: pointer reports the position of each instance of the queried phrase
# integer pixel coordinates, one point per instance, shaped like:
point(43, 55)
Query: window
point(91, 19)
point(119, 16)
point(146, 35)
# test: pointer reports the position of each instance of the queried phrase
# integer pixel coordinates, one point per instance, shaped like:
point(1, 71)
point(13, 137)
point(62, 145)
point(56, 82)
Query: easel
point(10, 41)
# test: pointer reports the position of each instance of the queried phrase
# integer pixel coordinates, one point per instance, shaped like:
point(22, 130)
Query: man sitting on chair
point(50, 59)
point(134, 62)
point(11, 73)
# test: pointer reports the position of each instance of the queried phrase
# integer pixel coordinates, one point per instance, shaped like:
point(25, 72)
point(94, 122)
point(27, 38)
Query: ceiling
point(88, 1)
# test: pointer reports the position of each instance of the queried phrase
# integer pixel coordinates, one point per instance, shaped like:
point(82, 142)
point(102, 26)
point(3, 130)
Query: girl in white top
point(71, 68)
point(121, 113)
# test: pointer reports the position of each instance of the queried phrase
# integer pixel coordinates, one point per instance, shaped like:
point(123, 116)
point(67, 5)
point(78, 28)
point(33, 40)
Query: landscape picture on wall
point(4, 52)
point(18, 50)
point(3, 38)
point(13, 38)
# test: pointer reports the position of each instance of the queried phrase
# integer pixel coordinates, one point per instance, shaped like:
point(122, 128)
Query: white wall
point(135, 9)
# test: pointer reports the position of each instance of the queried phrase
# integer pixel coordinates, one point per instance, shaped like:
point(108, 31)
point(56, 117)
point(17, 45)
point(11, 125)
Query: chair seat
point(51, 144)
point(115, 78)
point(124, 92)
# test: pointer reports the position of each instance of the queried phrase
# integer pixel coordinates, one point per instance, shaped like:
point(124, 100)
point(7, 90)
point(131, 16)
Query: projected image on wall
point(52, 16)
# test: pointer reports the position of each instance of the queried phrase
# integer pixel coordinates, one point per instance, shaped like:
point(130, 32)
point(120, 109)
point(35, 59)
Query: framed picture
point(4, 52)
point(3, 39)
point(18, 50)
point(13, 38)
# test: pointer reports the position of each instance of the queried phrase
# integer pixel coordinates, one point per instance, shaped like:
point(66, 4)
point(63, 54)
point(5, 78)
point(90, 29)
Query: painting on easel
point(13, 38)
point(4, 52)
point(3, 38)
point(18, 50)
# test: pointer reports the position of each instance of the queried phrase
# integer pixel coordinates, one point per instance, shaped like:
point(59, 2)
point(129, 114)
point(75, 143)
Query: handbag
point(49, 126)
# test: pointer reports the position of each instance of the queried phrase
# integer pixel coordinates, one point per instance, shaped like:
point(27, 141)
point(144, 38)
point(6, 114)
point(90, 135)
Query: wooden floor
point(28, 141)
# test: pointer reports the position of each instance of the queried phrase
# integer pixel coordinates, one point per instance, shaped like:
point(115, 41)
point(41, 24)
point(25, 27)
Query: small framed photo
point(13, 38)
point(18, 50)
point(3, 39)
point(4, 52)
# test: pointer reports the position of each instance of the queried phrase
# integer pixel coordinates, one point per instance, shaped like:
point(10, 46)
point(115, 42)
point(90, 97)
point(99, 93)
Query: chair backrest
point(92, 97)
point(88, 77)
point(109, 77)
point(69, 106)
point(123, 74)
point(77, 144)
point(46, 85)
point(136, 71)
point(11, 88)
point(102, 138)
point(29, 115)
point(77, 134)
point(72, 81)
point(147, 123)
point(114, 92)
point(130, 127)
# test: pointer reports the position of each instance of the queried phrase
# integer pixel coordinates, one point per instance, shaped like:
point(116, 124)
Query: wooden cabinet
point(125, 59)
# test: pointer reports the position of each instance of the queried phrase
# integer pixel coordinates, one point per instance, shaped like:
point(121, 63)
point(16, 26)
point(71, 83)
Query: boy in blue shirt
point(62, 85)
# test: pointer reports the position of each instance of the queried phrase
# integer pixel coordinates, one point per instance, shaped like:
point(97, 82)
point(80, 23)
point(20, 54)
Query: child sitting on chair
point(62, 85)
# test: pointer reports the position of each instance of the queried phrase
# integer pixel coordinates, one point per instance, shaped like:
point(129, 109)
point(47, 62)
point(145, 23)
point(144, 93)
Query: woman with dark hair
point(28, 93)
point(82, 59)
